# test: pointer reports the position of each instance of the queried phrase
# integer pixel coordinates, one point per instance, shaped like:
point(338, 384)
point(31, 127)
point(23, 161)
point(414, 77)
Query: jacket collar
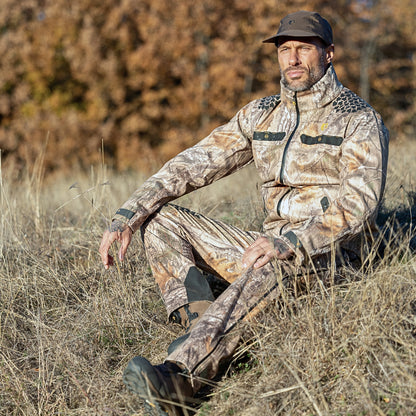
point(321, 93)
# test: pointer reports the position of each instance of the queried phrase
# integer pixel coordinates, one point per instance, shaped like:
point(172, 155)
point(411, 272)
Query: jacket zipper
point(290, 138)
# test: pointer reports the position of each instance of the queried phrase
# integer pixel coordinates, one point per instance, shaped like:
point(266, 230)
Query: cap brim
point(291, 34)
point(272, 39)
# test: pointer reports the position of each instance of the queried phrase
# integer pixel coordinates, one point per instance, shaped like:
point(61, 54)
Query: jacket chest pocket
point(326, 149)
point(268, 136)
point(314, 160)
point(323, 139)
point(267, 152)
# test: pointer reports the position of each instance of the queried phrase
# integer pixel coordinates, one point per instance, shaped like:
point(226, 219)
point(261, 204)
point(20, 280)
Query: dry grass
point(68, 328)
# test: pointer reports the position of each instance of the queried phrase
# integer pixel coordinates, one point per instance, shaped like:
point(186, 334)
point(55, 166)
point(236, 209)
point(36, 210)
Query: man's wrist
point(118, 226)
point(281, 247)
point(122, 218)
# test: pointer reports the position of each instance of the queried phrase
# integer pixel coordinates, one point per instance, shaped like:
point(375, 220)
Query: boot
point(164, 388)
point(187, 316)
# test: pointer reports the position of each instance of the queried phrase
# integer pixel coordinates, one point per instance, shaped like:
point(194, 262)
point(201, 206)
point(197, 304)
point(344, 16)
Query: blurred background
point(132, 82)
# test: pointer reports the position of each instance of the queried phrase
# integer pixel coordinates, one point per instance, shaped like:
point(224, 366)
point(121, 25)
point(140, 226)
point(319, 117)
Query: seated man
point(321, 153)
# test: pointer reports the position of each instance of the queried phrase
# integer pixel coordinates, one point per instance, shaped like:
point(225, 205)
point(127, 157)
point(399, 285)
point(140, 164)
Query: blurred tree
point(150, 77)
point(378, 57)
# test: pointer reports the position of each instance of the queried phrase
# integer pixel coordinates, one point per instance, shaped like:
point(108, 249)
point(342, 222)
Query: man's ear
point(329, 53)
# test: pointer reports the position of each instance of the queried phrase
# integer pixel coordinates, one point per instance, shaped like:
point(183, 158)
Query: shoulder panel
point(269, 102)
point(349, 102)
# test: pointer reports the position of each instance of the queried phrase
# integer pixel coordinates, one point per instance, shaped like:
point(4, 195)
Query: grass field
point(68, 327)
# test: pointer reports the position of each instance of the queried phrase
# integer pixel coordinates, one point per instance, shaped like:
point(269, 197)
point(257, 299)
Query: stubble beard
point(314, 75)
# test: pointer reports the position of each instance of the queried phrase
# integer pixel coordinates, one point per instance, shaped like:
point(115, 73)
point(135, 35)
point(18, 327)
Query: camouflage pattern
point(176, 241)
point(322, 158)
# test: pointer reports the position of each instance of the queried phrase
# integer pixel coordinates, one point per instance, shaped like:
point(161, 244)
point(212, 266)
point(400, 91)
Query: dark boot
point(164, 388)
point(187, 316)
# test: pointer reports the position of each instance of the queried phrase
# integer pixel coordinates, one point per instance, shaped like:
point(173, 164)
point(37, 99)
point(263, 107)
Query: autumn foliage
point(143, 79)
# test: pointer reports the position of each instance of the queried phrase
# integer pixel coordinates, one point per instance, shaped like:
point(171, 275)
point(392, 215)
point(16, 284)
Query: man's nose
point(294, 58)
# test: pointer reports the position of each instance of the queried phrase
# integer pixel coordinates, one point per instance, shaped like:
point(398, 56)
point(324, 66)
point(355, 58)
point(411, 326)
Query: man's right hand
point(265, 249)
point(116, 232)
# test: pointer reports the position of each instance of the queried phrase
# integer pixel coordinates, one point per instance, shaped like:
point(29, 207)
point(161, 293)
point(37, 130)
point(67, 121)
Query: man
point(321, 153)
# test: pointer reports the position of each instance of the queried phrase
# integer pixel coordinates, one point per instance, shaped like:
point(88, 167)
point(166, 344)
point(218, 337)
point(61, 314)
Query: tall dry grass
point(68, 328)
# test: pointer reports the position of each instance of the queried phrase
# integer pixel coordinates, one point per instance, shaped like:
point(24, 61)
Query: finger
point(255, 251)
point(247, 263)
point(125, 242)
point(105, 245)
point(262, 261)
point(251, 255)
point(110, 262)
point(260, 242)
point(103, 250)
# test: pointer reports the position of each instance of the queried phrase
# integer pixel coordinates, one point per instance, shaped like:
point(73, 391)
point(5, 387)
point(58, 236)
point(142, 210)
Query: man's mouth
point(294, 73)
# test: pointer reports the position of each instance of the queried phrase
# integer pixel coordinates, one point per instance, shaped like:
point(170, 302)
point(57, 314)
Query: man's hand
point(116, 232)
point(265, 249)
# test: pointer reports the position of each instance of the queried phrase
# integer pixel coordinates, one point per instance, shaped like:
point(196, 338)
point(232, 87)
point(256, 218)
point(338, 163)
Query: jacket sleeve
point(363, 167)
point(225, 150)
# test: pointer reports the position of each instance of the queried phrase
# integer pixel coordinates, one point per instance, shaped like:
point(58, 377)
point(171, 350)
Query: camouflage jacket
point(321, 156)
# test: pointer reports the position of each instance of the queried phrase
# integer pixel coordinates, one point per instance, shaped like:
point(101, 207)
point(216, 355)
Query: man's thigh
point(217, 247)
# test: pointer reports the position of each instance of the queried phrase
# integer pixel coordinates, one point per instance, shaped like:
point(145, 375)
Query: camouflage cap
point(303, 24)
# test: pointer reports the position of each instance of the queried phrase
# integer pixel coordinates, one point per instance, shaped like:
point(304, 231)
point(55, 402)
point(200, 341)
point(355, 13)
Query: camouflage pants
point(179, 243)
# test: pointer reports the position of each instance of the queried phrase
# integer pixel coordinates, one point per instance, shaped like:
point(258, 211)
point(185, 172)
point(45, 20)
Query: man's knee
point(155, 221)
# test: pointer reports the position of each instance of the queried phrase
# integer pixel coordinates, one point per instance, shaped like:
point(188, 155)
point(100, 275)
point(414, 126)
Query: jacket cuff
point(291, 239)
point(123, 215)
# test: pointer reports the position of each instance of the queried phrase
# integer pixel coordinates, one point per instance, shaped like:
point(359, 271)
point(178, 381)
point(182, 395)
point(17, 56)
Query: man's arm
point(225, 150)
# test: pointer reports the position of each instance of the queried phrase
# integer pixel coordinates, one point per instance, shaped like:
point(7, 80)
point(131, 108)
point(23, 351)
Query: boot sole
point(141, 379)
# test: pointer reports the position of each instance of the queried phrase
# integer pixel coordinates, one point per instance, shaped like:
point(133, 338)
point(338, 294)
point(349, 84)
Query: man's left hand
point(265, 249)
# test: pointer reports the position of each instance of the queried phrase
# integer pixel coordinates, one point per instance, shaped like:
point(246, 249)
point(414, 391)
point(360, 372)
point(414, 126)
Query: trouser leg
point(215, 336)
point(179, 242)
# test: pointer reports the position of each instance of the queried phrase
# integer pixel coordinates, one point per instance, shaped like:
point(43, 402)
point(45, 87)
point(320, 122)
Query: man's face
point(302, 61)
